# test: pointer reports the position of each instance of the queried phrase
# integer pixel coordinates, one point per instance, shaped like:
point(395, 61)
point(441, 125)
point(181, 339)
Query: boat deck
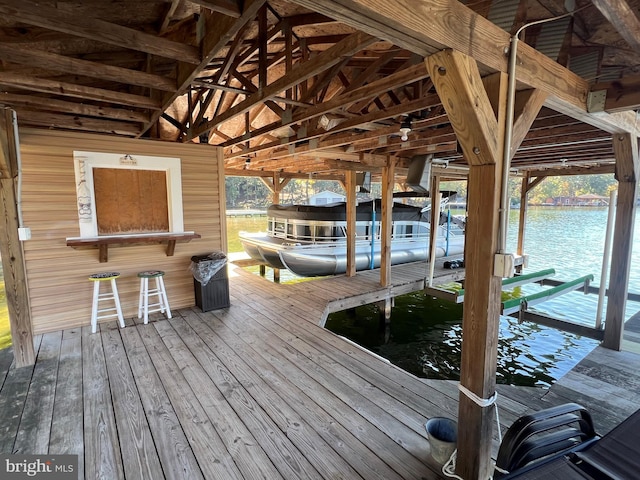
point(257, 390)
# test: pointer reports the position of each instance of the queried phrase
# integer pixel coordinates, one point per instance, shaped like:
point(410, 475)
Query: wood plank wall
point(57, 274)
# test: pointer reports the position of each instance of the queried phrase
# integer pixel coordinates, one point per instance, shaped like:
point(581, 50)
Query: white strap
point(481, 402)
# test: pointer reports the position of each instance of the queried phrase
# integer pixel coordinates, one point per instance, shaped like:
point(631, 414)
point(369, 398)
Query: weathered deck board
point(35, 424)
point(311, 377)
point(222, 395)
point(243, 447)
point(176, 457)
point(6, 359)
point(101, 447)
point(302, 394)
point(203, 438)
point(12, 399)
point(67, 422)
point(272, 393)
point(139, 456)
point(259, 390)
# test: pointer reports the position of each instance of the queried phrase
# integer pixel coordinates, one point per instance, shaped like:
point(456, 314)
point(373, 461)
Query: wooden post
point(388, 180)
point(435, 222)
point(350, 187)
point(476, 108)
point(385, 306)
point(481, 135)
point(625, 148)
point(275, 186)
point(522, 219)
point(15, 275)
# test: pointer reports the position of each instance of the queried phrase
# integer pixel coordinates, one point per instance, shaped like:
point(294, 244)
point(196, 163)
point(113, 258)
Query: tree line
point(250, 192)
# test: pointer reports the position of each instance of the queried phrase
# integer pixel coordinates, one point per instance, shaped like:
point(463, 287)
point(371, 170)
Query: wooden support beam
point(457, 80)
point(627, 171)
point(412, 106)
point(74, 122)
point(426, 27)
point(227, 7)
point(61, 106)
point(219, 30)
point(527, 106)
point(620, 95)
point(305, 70)
point(624, 19)
point(15, 275)
point(350, 187)
point(275, 184)
point(61, 63)
point(457, 76)
point(388, 181)
point(36, 84)
point(44, 16)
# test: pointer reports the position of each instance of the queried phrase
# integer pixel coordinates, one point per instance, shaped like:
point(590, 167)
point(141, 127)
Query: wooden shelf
point(103, 243)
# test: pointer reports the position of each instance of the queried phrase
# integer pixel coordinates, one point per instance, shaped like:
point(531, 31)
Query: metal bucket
point(443, 436)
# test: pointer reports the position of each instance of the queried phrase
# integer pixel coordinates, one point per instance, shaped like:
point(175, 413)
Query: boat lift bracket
point(523, 304)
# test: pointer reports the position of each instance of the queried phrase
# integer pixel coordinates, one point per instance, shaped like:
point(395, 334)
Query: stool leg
point(140, 298)
point(146, 300)
point(164, 298)
point(158, 293)
point(94, 307)
point(116, 299)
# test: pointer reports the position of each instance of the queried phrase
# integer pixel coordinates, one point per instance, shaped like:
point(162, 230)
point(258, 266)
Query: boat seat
point(544, 435)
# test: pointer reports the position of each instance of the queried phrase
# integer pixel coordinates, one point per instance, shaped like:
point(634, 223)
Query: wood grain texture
point(35, 427)
point(176, 457)
point(388, 182)
point(480, 322)
point(12, 398)
point(102, 452)
point(427, 27)
point(203, 438)
point(61, 301)
point(139, 456)
point(67, 422)
point(242, 446)
point(459, 85)
point(288, 399)
point(626, 151)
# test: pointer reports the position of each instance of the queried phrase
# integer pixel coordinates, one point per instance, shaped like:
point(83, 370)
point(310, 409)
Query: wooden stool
point(162, 304)
point(97, 279)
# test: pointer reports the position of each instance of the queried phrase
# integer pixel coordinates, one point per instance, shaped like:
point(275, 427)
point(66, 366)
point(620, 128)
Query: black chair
point(542, 437)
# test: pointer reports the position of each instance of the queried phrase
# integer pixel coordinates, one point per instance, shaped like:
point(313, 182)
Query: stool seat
point(162, 305)
point(97, 313)
point(151, 274)
point(97, 277)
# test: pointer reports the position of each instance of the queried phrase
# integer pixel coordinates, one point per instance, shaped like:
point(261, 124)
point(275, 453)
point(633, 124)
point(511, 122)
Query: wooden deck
point(257, 390)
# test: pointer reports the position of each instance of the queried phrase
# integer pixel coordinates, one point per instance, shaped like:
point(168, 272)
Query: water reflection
point(425, 338)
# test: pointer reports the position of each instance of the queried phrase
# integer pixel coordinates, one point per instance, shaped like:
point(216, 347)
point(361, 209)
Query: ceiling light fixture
point(405, 129)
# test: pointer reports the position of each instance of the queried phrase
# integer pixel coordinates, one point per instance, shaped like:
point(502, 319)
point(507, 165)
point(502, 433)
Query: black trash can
point(214, 294)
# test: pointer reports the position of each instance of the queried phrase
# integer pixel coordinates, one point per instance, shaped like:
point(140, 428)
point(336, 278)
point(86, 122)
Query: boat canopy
point(336, 212)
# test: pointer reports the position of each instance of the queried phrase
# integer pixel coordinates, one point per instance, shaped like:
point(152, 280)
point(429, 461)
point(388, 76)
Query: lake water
point(424, 337)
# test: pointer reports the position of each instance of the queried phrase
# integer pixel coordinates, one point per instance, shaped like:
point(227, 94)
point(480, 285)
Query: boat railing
point(333, 232)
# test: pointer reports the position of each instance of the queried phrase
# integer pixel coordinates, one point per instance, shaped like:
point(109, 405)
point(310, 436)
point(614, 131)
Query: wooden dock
point(257, 390)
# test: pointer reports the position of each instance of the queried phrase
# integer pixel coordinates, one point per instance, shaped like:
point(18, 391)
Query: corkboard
point(130, 201)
